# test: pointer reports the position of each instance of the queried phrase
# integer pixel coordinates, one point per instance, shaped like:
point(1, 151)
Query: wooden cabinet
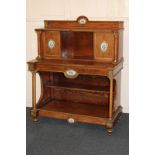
point(79, 64)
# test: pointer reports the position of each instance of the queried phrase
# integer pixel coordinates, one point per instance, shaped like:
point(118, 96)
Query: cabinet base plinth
point(109, 123)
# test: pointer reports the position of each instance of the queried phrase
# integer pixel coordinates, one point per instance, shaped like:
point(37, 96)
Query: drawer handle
point(104, 46)
point(71, 74)
point(71, 120)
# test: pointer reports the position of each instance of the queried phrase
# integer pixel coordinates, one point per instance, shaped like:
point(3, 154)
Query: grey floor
point(57, 137)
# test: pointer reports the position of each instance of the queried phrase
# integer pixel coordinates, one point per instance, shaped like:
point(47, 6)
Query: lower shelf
point(77, 108)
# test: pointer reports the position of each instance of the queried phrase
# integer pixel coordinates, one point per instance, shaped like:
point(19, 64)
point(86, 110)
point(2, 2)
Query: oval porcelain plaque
point(104, 46)
point(70, 73)
point(82, 21)
point(51, 43)
point(71, 120)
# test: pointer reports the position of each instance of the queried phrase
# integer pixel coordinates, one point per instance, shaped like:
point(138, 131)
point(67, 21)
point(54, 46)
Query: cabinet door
point(51, 44)
point(104, 46)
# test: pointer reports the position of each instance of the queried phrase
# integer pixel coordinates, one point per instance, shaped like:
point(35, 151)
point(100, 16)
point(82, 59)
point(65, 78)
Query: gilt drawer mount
point(79, 64)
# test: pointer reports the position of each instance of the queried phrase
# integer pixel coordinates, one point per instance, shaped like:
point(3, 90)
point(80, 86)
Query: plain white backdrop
point(13, 77)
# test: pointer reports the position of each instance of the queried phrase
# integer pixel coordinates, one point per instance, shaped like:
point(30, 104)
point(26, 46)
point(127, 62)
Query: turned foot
point(35, 119)
point(109, 126)
point(109, 130)
point(34, 116)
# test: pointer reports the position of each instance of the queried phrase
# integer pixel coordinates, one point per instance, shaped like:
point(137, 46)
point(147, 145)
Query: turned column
point(34, 109)
point(109, 123)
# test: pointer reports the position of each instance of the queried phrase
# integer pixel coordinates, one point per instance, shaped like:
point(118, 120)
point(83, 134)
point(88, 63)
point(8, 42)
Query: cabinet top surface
point(85, 63)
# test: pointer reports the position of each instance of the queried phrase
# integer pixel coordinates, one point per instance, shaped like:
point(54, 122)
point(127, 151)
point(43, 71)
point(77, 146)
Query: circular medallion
point(70, 73)
point(51, 43)
point(104, 46)
point(71, 120)
point(82, 21)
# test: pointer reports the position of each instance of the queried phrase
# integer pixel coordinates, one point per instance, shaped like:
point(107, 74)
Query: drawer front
point(104, 46)
point(51, 44)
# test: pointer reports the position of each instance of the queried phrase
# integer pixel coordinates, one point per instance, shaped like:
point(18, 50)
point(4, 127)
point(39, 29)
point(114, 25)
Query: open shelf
point(83, 87)
point(82, 82)
point(77, 45)
point(77, 108)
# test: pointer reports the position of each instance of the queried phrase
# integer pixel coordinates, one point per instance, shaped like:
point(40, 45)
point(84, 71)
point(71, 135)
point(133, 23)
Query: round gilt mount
point(104, 46)
point(82, 20)
point(51, 44)
point(71, 74)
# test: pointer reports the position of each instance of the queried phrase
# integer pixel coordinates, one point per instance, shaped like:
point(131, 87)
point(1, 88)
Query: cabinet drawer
point(51, 44)
point(104, 46)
